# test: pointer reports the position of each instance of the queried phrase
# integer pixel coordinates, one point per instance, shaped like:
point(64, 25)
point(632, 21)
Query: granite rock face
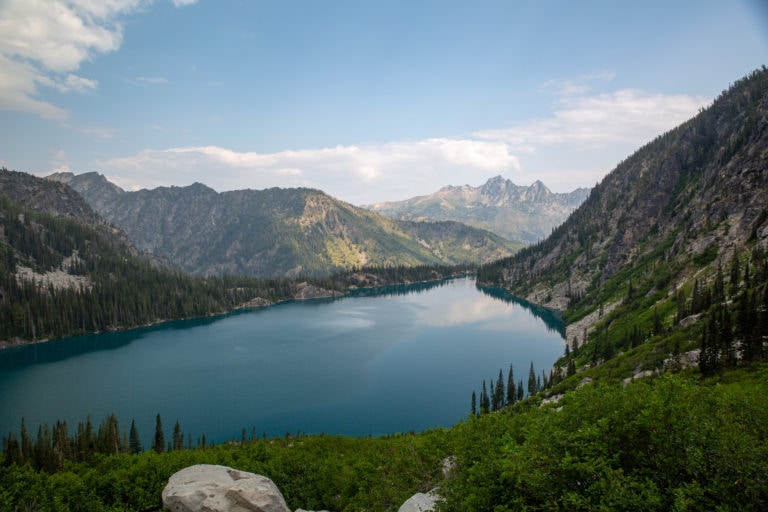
point(208, 488)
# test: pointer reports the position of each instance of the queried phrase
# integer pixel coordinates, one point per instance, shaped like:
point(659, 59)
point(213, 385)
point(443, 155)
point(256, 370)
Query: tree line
point(52, 447)
point(499, 395)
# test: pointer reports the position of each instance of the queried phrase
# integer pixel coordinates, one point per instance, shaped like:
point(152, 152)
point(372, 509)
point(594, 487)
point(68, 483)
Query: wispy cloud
point(150, 80)
point(595, 121)
point(100, 132)
point(580, 85)
point(43, 43)
point(355, 173)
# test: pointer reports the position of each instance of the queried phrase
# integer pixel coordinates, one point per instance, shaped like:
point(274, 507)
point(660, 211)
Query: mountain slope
point(526, 214)
point(63, 271)
point(657, 232)
point(276, 231)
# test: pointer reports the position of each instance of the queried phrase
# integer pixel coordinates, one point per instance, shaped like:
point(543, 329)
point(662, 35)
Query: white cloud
point(42, 42)
point(624, 116)
point(582, 84)
point(587, 134)
point(17, 90)
point(151, 80)
point(357, 173)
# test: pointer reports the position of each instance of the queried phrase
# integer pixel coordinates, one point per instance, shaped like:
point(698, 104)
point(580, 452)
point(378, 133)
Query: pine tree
point(159, 444)
point(532, 381)
point(492, 397)
point(27, 447)
point(473, 409)
point(61, 444)
point(511, 392)
point(520, 390)
point(485, 402)
point(134, 445)
point(178, 437)
point(498, 392)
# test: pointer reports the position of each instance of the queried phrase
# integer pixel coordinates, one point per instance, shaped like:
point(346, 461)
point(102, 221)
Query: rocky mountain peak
point(515, 212)
point(49, 197)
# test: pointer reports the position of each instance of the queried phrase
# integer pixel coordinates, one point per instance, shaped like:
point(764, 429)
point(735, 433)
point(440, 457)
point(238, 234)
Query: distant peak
point(58, 176)
point(497, 179)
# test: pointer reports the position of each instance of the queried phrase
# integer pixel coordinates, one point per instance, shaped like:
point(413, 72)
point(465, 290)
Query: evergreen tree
point(86, 443)
point(473, 409)
point(511, 392)
point(531, 381)
point(498, 393)
point(61, 444)
point(178, 437)
point(571, 367)
point(134, 445)
point(520, 390)
point(108, 438)
point(159, 444)
point(485, 402)
point(734, 281)
point(27, 447)
point(492, 396)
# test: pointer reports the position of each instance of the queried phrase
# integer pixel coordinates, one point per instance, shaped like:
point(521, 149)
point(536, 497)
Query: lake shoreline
point(305, 292)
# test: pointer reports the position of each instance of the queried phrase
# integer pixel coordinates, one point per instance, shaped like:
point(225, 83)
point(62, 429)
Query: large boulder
point(421, 502)
point(207, 488)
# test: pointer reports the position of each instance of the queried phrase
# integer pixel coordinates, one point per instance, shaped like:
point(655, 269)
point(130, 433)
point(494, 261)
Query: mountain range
point(276, 232)
point(526, 214)
point(663, 269)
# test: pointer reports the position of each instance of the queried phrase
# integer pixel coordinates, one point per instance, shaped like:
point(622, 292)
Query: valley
point(657, 401)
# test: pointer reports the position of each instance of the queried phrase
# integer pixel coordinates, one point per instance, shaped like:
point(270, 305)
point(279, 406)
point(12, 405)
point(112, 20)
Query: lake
point(394, 359)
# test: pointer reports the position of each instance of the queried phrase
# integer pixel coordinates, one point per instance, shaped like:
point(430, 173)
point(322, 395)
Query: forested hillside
point(59, 277)
point(276, 232)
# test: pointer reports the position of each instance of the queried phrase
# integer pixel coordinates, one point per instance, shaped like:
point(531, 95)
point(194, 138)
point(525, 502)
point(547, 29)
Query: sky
point(369, 101)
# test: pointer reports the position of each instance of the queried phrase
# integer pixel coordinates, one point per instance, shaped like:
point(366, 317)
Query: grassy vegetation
point(678, 442)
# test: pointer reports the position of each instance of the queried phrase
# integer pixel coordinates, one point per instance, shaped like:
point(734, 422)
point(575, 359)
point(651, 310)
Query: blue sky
point(368, 101)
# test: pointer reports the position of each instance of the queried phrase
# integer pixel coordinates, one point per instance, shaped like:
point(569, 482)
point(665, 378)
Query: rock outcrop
point(420, 502)
point(208, 488)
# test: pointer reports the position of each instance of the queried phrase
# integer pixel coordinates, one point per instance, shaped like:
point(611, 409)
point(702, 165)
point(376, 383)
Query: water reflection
point(66, 348)
point(378, 361)
point(552, 319)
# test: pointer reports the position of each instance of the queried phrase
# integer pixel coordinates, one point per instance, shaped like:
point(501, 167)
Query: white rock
point(207, 488)
point(420, 502)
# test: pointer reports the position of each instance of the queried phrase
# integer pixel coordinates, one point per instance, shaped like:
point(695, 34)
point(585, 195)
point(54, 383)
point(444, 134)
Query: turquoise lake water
point(395, 359)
